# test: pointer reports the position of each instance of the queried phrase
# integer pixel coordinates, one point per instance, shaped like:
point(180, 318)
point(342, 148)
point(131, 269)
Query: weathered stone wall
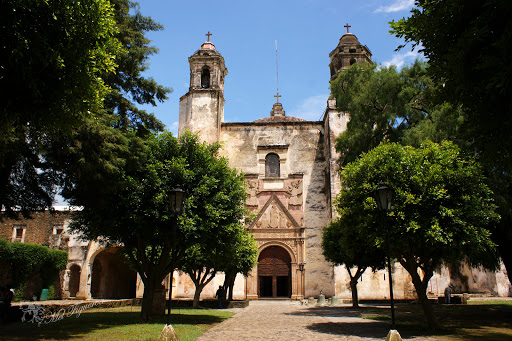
point(301, 147)
point(334, 124)
point(202, 111)
point(464, 279)
point(38, 229)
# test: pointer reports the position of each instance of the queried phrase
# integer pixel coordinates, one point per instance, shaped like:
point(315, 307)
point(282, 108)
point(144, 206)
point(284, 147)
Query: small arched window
point(205, 78)
point(352, 61)
point(272, 165)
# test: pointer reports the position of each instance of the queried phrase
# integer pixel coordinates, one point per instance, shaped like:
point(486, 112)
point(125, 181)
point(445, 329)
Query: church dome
point(279, 119)
point(349, 38)
point(208, 45)
point(277, 114)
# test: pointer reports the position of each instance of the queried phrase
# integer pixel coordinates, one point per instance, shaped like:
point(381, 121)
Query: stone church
point(291, 172)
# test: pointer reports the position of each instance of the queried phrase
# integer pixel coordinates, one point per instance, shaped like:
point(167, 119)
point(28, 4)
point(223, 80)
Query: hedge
point(26, 260)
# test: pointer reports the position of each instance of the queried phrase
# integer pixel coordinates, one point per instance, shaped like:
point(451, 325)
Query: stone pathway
point(288, 320)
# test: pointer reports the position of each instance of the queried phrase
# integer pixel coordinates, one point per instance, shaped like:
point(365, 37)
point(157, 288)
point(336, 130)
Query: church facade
point(292, 179)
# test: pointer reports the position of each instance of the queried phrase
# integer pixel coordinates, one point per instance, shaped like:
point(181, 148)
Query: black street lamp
point(176, 196)
point(301, 269)
point(384, 198)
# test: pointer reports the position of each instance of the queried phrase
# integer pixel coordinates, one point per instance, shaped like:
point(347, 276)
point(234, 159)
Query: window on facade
point(58, 229)
point(272, 165)
point(352, 61)
point(205, 78)
point(18, 233)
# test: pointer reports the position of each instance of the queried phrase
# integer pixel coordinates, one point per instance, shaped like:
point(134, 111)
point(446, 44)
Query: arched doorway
point(112, 277)
point(274, 273)
point(74, 280)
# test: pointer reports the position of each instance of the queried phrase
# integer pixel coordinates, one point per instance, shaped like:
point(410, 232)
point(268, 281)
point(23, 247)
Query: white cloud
point(396, 6)
point(174, 128)
point(311, 109)
point(400, 59)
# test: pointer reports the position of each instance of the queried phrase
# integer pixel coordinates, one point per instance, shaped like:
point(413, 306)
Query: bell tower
point(349, 51)
point(202, 107)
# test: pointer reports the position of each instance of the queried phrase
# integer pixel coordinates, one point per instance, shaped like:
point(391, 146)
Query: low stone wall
point(213, 304)
point(51, 307)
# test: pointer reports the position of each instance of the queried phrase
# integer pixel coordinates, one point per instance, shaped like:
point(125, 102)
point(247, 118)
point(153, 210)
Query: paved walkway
point(288, 320)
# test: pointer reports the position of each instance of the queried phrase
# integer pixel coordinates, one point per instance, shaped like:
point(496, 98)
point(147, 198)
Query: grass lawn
point(478, 320)
point(121, 323)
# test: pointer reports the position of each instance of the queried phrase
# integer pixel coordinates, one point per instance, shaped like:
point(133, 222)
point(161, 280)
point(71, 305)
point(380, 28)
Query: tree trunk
point(197, 295)
point(353, 288)
point(353, 284)
point(229, 283)
point(200, 281)
point(147, 300)
point(506, 256)
point(421, 290)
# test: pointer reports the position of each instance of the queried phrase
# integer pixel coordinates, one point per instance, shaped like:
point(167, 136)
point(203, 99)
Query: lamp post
point(384, 198)
point(301, 269)
point(176, 196)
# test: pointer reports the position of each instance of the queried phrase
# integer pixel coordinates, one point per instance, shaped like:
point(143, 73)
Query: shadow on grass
point(94, 320)
point(458, 322)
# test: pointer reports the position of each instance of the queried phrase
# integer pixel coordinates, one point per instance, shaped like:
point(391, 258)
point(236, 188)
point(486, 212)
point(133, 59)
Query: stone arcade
point(292, 179)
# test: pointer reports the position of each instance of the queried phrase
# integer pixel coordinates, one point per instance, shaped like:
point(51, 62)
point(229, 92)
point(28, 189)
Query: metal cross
point(347, 26)
point(208, 34)
point(277, 97)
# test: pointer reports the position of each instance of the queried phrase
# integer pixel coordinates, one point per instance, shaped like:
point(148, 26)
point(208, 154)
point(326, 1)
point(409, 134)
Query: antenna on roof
point(277, 73)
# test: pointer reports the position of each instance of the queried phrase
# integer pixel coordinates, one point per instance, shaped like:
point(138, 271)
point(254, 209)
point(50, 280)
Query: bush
point(28, 260)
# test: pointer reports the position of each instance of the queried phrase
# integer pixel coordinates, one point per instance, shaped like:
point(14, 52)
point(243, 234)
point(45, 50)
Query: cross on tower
point(277, 97)
point(208, 35)
point(347, 26)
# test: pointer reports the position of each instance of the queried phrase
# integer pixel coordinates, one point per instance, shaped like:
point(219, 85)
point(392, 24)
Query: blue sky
point(244, 32)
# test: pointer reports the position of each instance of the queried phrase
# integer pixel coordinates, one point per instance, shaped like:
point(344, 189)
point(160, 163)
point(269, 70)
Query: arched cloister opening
point(112, 277)
point(74, 280)
point(274, 273)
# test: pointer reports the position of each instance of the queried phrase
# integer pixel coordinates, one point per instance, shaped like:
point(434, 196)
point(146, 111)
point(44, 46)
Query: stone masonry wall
point(301, 146)
point(38, 229)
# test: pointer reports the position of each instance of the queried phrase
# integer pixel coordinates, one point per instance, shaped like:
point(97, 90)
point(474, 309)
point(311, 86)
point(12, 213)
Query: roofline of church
point(266, 123)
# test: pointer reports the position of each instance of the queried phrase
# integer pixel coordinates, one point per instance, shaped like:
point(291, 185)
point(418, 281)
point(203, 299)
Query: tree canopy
point(51, 62)
point(467, 44)
point(442, 208)
point(73, 76)
point(389, 105)
point(135, 212)
point(234, 250)
point(345, 242)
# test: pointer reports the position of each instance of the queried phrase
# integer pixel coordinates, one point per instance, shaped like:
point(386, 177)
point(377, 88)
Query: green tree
point(246, 250)
point(52, 58)
point(442, 208)
point(100, 147)
point(135, 212)
point(128, 85)
point(345, 242)
point(234, 250)
point(467, 45)
point(389, 105)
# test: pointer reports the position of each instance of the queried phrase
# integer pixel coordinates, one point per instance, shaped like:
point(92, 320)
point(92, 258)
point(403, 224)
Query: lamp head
point(384, 197)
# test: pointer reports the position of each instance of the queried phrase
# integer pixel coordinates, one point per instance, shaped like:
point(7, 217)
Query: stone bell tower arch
point(202, 107)
point(348, 51)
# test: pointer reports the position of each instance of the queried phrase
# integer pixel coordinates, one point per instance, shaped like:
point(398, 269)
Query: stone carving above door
point(274, 215)
point(295, 190)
